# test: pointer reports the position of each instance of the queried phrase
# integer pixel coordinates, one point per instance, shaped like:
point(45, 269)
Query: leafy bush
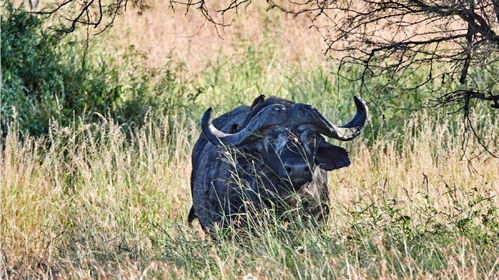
point(47, 77)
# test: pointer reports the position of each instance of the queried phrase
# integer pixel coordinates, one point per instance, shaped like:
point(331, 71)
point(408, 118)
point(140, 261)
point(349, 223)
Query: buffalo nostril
point(297, 170)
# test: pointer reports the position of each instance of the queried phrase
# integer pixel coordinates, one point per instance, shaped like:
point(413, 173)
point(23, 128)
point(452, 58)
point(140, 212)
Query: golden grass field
point(97, 204)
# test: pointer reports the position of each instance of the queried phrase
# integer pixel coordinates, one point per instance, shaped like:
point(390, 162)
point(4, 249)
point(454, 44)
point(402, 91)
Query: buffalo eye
point(274, 134)
point(234, 128)
point(308, 136)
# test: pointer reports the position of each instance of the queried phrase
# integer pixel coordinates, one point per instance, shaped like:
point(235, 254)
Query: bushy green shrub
point(49, 77)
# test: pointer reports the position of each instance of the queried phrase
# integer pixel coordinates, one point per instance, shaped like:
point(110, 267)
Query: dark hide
point(279, 157)
point(330, 157)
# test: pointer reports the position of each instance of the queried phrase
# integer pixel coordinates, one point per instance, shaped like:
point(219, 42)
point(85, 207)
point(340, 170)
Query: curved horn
point(257, 101)
point(271, 115)
point(345, 132)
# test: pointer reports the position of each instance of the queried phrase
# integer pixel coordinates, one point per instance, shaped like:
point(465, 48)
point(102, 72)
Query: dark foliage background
point(52, 77)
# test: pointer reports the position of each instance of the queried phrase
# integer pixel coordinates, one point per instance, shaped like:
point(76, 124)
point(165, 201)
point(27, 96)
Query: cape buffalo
point(271, 151)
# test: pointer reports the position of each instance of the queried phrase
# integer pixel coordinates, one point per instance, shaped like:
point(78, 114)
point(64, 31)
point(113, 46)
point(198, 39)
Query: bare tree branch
point(447, 41)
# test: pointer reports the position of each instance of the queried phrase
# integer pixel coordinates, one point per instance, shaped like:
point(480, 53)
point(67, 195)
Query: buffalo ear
point(330, 157)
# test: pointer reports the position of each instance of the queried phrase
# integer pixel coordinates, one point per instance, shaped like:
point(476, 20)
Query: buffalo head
point(288, 138)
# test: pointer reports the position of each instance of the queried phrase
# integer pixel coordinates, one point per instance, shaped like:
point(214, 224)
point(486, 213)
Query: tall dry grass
point(93, 202)
point(163, 34)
